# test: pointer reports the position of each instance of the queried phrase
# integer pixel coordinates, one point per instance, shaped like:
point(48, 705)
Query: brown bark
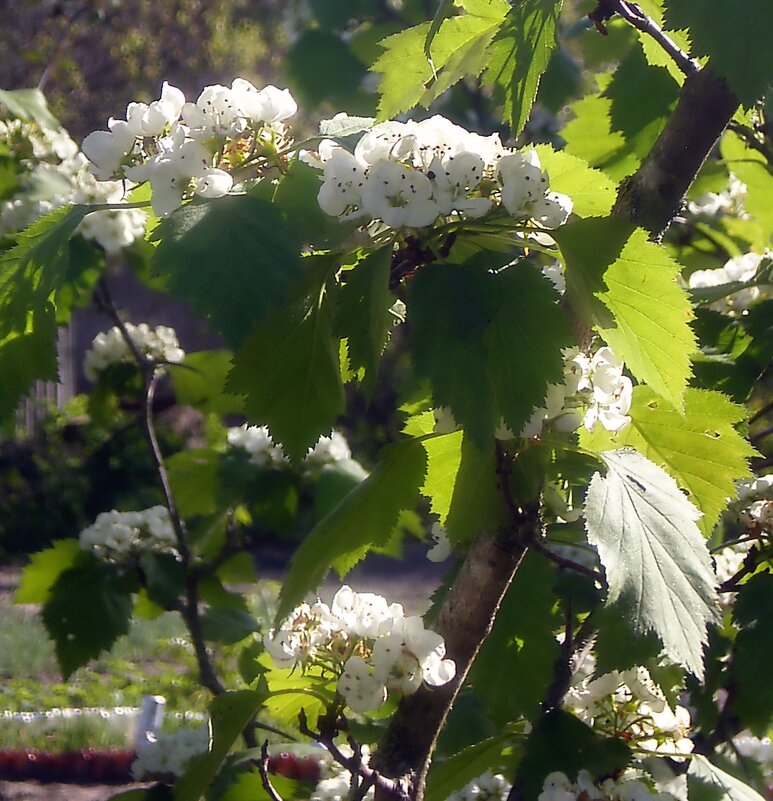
point(653, 194)
point(464, 621)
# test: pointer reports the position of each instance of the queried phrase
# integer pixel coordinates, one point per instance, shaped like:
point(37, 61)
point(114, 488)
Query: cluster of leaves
point(304, 304)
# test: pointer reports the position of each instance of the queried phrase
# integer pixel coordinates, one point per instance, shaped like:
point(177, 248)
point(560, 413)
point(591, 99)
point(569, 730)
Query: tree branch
point(465, 619)
point(652, 195)
point(634, 16)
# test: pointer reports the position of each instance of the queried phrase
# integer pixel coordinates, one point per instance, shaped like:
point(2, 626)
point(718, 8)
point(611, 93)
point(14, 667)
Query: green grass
point(155, 658)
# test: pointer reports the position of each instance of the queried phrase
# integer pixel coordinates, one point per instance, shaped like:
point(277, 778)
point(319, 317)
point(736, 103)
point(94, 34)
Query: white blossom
point(361, 690)
point(115, 536)
point(110, 347)
point(257, 441)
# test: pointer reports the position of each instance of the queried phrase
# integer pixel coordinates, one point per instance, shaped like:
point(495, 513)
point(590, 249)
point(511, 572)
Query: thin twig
point(632, 14)
point(190, 609)
point(354, 763)
point(568, 564)
point(760, 435)
point(761, 412)
point(263, 768)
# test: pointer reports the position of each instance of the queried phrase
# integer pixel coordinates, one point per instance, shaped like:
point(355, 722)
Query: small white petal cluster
point(760, 749)
point(257, 441)
point(442, 547)
point(336, 782)
point(165, 755)
point(118, 536)
point(595, 390)
point(629, 703)
point(743, 269)
point(370, 644)
point(716, 204)
point(53, 173)
point(184, 148)
point(409, 174)
point(110, 347)
point(328, 450)
point(558, 787)
point(753, 505)
point(487, 787)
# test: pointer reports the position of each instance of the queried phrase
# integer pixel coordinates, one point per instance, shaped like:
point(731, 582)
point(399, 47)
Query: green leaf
point(163, 577)
point(752, 168)
point(45, 567)
point(288, 369)
point(636, 281)
point(753, 614)
point(444, 455)
point(227, 625)
point(589, 136)
point(420, 63)
point(619, 648)
point(30, 104)
point(477, 503)
point(459, 46)
point(656, 561)
point(296, 195)
point(229, 714)
point(738, 43)
point(194, 477)
point(27, 356)
point(36, 267)
point(707, 782)
point(285, 693)
point(592, 192)
point(560, 741)
point(200, 382)
point(365, 517)
point(519, 55)
point(640, 93)
point(522, 643)
point(233, 259)
point(700, 449)
point(362, 312)
point(405, 71)
point(320, 66)
point(465, 345)
point(87, 610)
point(458, 770)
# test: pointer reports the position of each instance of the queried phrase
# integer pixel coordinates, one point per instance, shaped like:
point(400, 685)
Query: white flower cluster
point(371, 645)
point(487, 787)
point(53, 173)
point(755, 503)
point(740, 269)
point(756, 748)
point(109, 347)
point(442, 548)
point(258, 442)
point(115, 536)
point(185, 148)
point(408, 174)
point(595, 390)
point(558, 787)
point(336, 781)
point(165, 755)
point(629, 703)
point(715, 204)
